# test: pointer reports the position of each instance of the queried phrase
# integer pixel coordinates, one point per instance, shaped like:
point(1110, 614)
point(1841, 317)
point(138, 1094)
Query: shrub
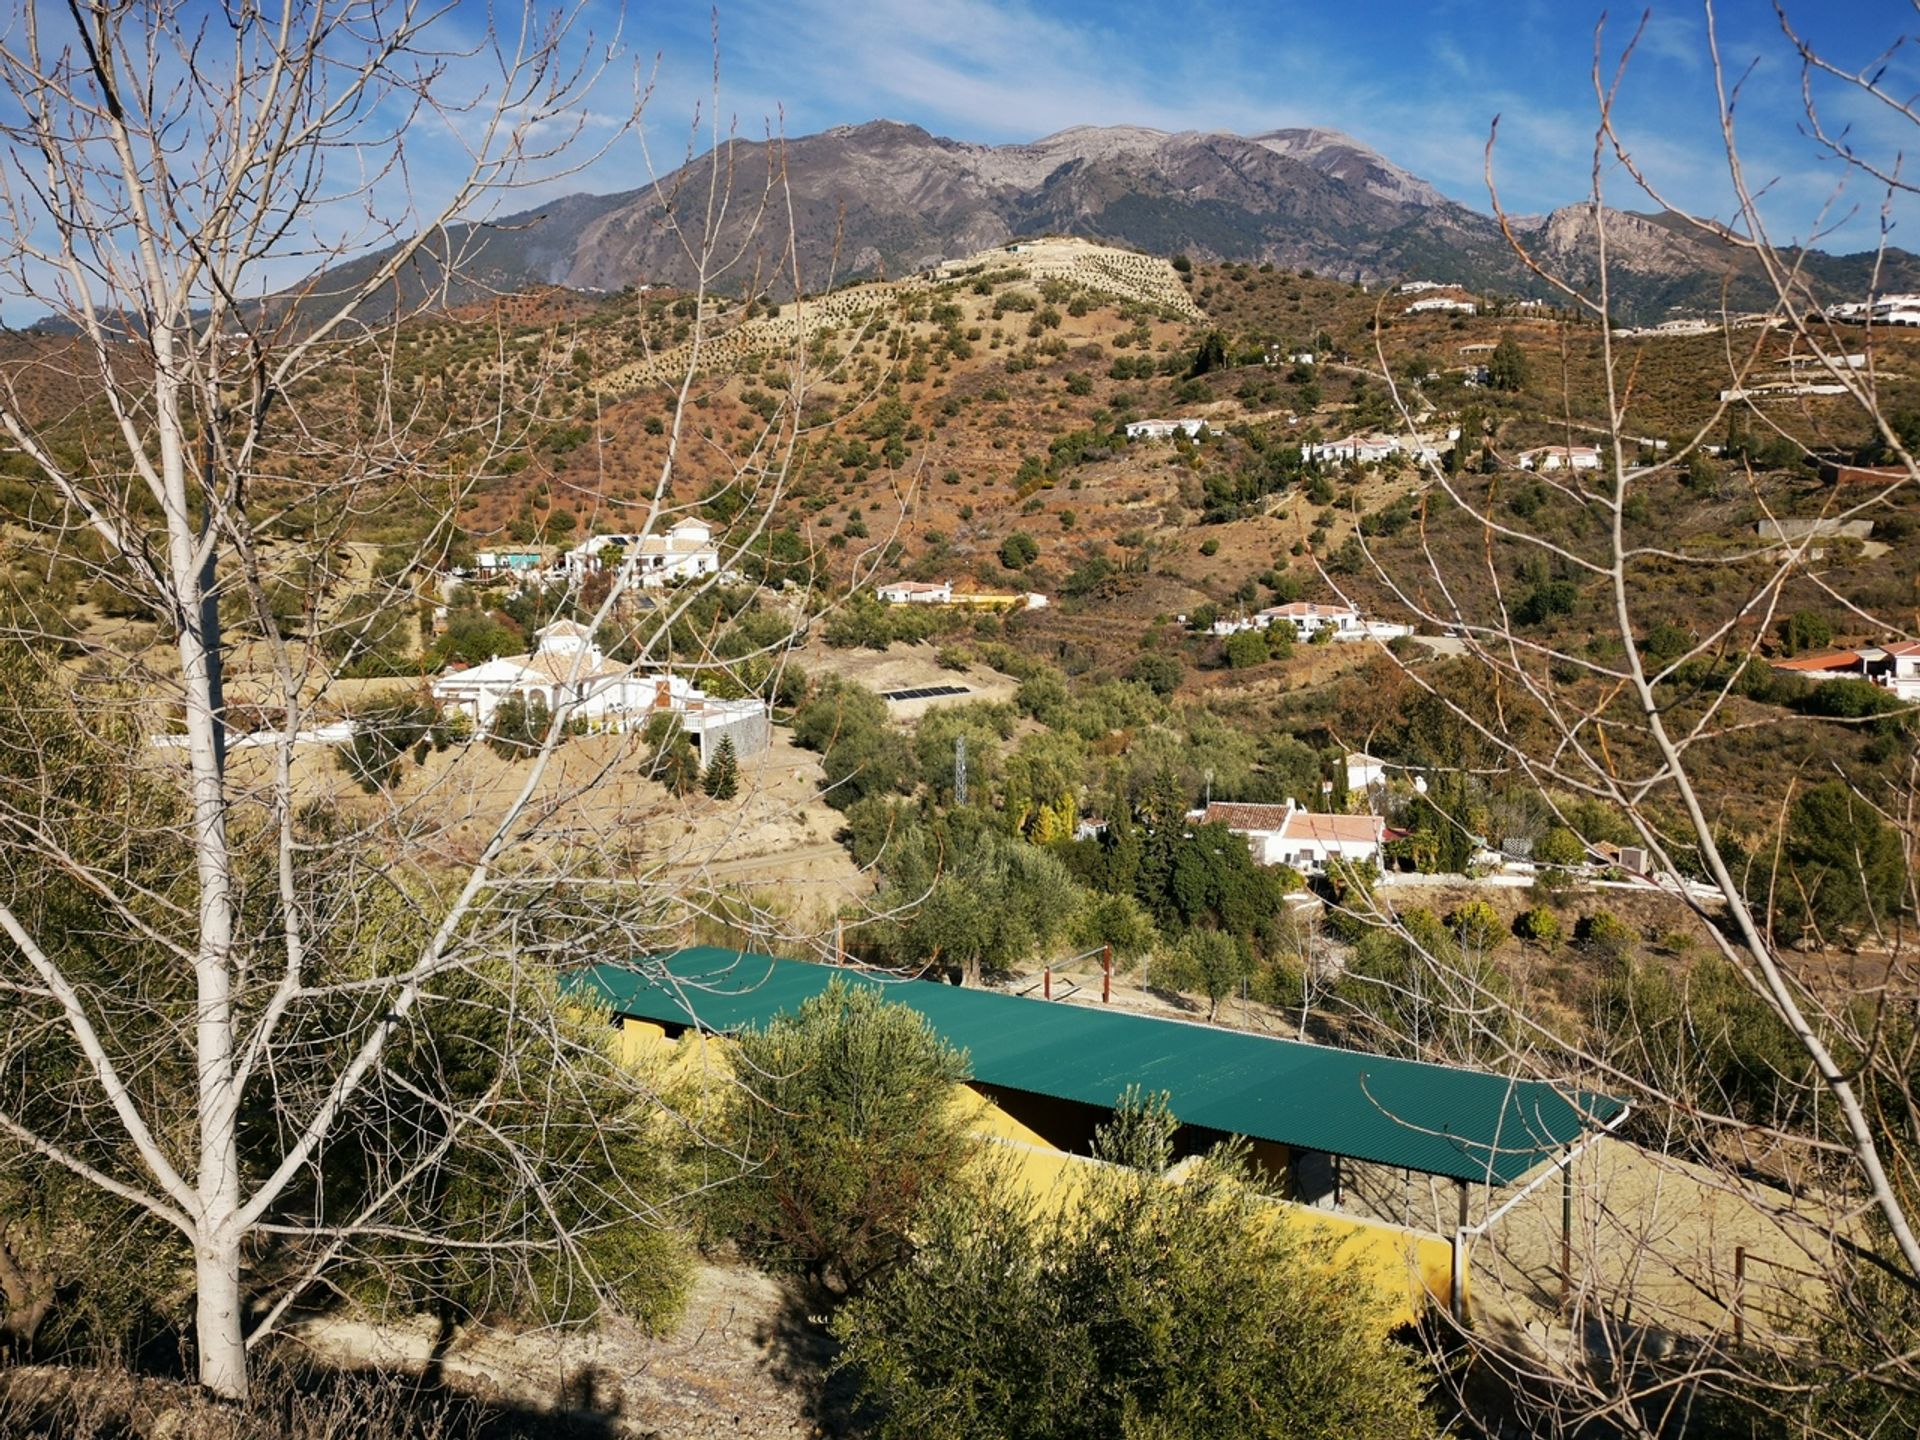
point(1476, 924)
point(1540, 925)
point(1174, 1310)
point(1159, 673)
point(846, 1116)
point(1560, 846)
point(1019, 550)
point(1248, 647)
point(1605, 934)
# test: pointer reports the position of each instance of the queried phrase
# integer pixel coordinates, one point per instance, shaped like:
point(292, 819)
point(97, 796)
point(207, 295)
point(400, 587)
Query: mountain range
point(888, 199)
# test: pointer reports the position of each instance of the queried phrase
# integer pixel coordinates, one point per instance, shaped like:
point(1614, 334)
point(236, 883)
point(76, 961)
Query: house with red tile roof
point(1289, 835)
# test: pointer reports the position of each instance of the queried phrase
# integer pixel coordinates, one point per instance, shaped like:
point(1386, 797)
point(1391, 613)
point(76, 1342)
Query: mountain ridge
point(887, 198)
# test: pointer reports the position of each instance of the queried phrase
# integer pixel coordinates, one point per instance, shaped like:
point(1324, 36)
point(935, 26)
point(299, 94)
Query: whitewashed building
point(566, 667)
point(1443, 303)
point(1165, 429)
point(685, 552)
point(1288, 835)
point(1364, 772)
point(1560, 457)
point(916, 592)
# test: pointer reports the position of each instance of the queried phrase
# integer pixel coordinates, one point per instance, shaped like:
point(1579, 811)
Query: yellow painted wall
point(1411, 1268)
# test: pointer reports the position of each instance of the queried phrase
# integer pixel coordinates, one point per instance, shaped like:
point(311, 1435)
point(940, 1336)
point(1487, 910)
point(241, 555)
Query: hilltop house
point(1560, 457)
point(1288, 835)
point(685, 552)
point(1442, 302)
point(567, 667)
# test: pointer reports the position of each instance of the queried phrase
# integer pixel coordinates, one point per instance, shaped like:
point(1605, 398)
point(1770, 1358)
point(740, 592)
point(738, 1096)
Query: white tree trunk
point(219, 1316)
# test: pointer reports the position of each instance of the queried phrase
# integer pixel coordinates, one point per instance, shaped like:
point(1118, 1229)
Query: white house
point(567, 667)
point(1443, 302)
point(1363, 449)
point(1560, 457)
point(685, 552)
point(1897, 667)
point(1371, 449)
point(1165, 429)
point(1309, 618)
point(1364, 772)
point(916, 592)
point(1288, 835)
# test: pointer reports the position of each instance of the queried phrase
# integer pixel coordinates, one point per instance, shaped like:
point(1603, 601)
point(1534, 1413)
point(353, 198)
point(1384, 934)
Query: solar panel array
point(924, 692)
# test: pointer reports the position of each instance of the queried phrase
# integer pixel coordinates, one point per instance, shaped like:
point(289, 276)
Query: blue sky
point(1420, 82)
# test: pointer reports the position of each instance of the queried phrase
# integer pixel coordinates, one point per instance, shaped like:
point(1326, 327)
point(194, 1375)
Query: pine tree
point(722, 780)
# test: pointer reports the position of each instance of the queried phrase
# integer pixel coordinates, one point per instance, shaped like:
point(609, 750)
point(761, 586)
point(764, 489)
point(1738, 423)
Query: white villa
point(1372, 449)
point(1560, 457)
point(567, 667)
point(916, 592)
point(1165, 429)
point(1288, 835)
point(1308, 618)
point(685, 552)
point(1443, 302)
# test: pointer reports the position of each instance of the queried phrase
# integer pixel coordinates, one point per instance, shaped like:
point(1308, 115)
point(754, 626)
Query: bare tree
point(275, 1021)
point(1633, 712)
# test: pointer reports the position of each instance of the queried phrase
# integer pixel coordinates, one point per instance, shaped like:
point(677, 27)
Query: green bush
point(1540, 925)
point(1605, 934)
point(844, 1117)
point(1560, 846)
point(1178, 1311)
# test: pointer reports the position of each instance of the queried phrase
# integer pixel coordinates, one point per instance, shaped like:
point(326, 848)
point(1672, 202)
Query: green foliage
point(1210, 963)
point(1159, 673)
point(672, 760)
point(1247, 648)
point(1476, 925)
point(722, 778)
point(474, 637)
point(1605, 934)
point(1805, 631)
point(1545, 600)
point(370, 633)
point(1507, 368)
point(1560, 846)
point(1019, 550)
point(1212, 354)
point(965, 896)
point(1540, 925)
point(1845, 869)
point(846, 1116)
point(861, 753)
point(1424, 993)
point(1178, 1311)
point(519, 727)
point(1857, 700)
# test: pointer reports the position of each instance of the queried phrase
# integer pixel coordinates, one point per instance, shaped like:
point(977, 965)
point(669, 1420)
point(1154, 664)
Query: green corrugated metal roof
point(1436, 1119)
